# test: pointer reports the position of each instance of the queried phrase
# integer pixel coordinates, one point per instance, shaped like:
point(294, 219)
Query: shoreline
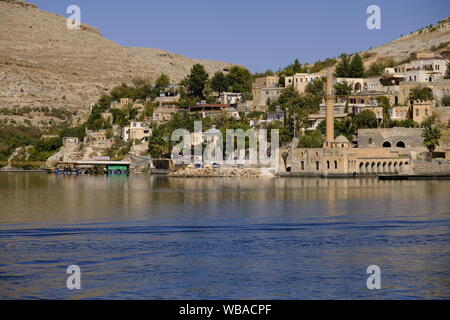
point(283, 175)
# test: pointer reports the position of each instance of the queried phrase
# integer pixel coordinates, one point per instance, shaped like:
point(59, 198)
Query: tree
point(377, 68)
point(350, 67)
point(431, 134)
point(357, 67)
point(316, 87)
point(343, 88)
point(293, 68)
point(343, 68)
point(446, 100)
point(219, 82)
point(240, 79)
point(162, 82)
point(365, 120)
point(385, 103)
point(421, 93)
point(447, 74)
point(345, 127)
point(297, 66)
point(196, 81)
point(312, 139)
point(297, 104)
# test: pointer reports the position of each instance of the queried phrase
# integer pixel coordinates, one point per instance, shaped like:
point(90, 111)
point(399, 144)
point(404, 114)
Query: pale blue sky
point(259, 34)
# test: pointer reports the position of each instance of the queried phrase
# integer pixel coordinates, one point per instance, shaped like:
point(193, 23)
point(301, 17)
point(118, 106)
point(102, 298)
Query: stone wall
point(375, 138)
point(436, 167)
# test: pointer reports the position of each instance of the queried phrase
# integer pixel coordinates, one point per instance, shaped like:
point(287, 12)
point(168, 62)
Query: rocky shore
point(211, 172)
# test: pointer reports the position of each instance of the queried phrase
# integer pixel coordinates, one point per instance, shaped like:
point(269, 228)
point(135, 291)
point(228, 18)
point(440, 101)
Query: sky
point(258, 34)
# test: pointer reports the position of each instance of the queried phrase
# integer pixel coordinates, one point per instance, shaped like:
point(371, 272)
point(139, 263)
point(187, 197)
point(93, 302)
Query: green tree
point(447, 74)
point(343, 67)
point(123, 91)
point(343, 88)
point(420, 93)
point(162, 82)
point(431, 134)
point(316, 87)
point(342, 127)
point(196, 81)
point(312, 139)
point(297, 104)
point(219, 82)
point(240, 79)
point(446, 100)
point(293, 68)
point(357, 67)
point(385, 103)
point(365, 120)
point(407, 123)
point(377, 68)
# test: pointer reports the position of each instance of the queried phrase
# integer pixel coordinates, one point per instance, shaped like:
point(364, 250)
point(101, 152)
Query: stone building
point(265, 88)
point(338, 157)
point(139, 131)
point(402, 138)
point(426, 67)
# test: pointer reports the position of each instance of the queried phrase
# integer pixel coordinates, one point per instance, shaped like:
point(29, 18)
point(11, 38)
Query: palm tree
point(431, 135)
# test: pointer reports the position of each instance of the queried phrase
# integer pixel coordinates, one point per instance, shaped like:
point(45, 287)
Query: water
point(270, 238)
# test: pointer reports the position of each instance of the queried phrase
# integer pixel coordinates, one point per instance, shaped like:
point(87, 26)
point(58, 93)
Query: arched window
point(387, 144)
point(401, 144)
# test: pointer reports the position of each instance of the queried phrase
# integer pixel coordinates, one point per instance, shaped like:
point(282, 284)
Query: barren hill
point(43, 63)
point(434, 37)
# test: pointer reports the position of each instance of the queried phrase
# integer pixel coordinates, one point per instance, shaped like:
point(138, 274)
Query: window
point(328, 164)
point(387, 144)
point(303, 165)
point(426, 112)
point(317, 165)
point(335, 164)
point(417, 112)
point(400, 144)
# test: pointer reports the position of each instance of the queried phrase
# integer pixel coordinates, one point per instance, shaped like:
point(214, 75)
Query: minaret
point(329, 102)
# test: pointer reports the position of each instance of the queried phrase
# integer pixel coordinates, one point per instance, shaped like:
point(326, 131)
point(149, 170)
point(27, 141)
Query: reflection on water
point(275, 238)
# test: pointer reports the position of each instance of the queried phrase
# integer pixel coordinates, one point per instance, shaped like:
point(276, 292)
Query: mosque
point(338, 157)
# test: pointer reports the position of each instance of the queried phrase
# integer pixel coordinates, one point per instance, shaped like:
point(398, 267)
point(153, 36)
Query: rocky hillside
point(434, 37)
point(44, 64)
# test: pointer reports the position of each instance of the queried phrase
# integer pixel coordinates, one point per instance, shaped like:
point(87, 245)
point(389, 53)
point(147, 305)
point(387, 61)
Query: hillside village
point(392, 108)
point(382, 108)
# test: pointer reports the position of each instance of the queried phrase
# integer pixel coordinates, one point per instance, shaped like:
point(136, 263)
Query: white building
point(136, 131)
point(427, 69)
point(230, 98)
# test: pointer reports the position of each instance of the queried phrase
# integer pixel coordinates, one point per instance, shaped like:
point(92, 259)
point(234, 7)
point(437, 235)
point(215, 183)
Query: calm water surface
point(147, 237)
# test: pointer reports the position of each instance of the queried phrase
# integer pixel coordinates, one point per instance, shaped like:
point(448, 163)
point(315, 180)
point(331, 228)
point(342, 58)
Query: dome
point(341, 139)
